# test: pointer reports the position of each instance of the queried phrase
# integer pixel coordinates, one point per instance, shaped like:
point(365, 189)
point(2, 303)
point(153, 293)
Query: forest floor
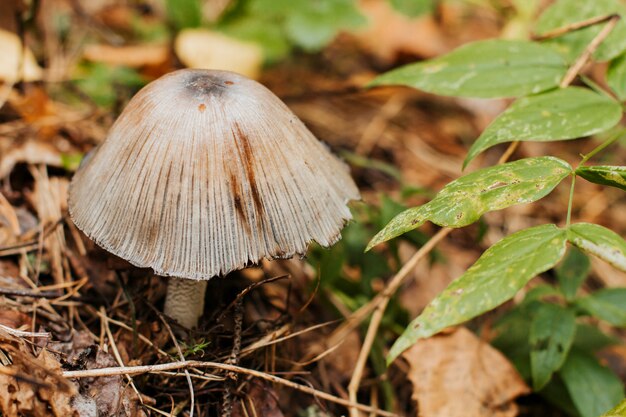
point(281, 338)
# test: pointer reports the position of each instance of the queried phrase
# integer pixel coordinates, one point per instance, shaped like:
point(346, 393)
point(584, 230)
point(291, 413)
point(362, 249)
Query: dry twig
point(134, 370)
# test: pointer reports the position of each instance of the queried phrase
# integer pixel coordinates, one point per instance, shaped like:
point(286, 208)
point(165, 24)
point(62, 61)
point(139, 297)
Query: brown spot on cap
point(229, 82)
point(202, 107)
point(247, 157)
point(235, 190)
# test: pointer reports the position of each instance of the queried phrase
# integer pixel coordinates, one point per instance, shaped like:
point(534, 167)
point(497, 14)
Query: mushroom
point(203, 173)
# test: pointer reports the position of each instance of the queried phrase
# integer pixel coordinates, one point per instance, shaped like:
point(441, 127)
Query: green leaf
point(101, 82)
point(71, 161)
point(608, 304)
point(320, 21)
point(618, 411)
point(487, 69)
point(590, 338)
point(614, 176)
point(599, 241)
point(616, 76)
point(464, 200)
point(413, 8)
point(567, 113)
point(551, 335)
point(267, 33)
point(593, 388)
point(494, 279)
point(572, 272)
point(184, 13)
point(571, 45)
point(512, 332)
point(555, 393)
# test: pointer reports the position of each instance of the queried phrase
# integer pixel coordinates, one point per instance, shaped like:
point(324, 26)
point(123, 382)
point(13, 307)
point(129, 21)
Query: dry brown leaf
point(458, 375)
point(260, 400)
point(15, 319)
point(50, 200)
point(615, 358)
point(32, 384)
point(390, 33)
point(31, 151)
point(33, 105)
point(104, 396)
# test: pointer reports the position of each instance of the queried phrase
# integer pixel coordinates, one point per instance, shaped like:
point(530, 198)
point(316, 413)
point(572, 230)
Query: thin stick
point(21, 333)
point(134, 370)
point(379, 312)
point(555, 33)
point(509, 151)
point(29, 293)
point(130, 329)
point(116, 353)
point(182, 358)
point(589, 50)
point(30, 244)
point(233, 359)
point(359, 315)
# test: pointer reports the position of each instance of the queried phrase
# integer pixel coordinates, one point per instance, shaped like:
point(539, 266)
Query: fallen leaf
point(614, 357)
point(15, 319)
point(17, 63)
point(391, 33)
point(202, 48)
point(459, 375)
point(32, 384)
point(260, 400)
point(108, 395)
point(30, 151)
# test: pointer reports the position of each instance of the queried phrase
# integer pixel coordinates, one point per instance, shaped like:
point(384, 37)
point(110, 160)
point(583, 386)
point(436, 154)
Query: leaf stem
point(573, 71)
point(571, 200)
point(618, 135)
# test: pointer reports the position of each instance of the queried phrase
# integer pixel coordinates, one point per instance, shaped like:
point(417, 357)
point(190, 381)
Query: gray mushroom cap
point(206, 171)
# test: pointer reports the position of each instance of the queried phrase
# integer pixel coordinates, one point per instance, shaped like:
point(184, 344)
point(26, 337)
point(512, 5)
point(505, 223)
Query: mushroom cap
point(205, 172)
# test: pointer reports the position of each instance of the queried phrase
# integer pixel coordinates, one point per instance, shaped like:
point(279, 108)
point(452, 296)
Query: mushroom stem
point(184, 301)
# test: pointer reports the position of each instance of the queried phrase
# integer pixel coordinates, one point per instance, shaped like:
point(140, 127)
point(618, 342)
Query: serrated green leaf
point(572, 272)
point(567, 113)
point(413, 8)
point(618, 411)
point(494, 279)
point(464, 200)
point(486, 69)
point(614, 176)
point(599, 241)
point(593, 388)
point(551, 335)
point(616, 76)
point(571, 45)
point(608, 304)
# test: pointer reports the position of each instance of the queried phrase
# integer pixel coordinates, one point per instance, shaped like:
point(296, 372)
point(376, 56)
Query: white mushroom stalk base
point(184, 301)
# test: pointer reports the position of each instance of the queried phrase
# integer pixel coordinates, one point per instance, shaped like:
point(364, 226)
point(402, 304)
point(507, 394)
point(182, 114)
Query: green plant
point(276, 25)
point(547, 108)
